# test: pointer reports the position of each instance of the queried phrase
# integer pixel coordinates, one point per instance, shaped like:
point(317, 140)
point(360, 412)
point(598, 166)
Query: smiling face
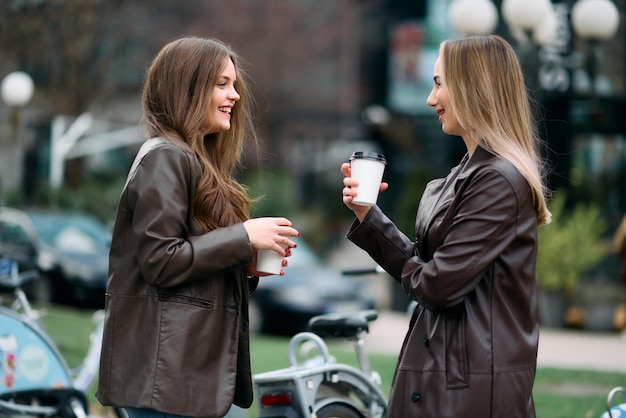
point(223, 99)
point(439, 100)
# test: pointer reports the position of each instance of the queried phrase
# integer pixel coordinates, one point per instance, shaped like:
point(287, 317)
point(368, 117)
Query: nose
point(431, 101)
point(233, 95)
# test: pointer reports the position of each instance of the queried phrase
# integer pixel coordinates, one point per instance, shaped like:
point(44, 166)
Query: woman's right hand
point(349, 193)
point(271, 234)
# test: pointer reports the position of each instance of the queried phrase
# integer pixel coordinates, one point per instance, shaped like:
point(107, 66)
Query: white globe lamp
point(17, 89)
point(473, 17)
point(595, 19)
point(545, 31)
point(525, 14)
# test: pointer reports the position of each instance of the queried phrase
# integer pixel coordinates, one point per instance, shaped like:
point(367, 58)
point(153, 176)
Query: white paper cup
point(367, 169)
point(269, 261)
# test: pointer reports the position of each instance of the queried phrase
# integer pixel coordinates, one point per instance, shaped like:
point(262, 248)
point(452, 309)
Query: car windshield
point(72, 232)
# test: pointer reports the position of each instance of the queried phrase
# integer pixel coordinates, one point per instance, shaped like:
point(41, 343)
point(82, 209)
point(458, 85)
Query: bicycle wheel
point(335, 410)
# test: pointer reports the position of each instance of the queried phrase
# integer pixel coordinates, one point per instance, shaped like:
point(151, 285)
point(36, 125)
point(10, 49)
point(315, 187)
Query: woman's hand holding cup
point(351, 191)
point(271, 240)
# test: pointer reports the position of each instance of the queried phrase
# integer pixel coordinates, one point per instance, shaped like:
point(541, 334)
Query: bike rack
point(297, 339)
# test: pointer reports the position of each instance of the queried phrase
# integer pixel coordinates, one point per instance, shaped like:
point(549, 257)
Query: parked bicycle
point(36, 378)
point(319, 386)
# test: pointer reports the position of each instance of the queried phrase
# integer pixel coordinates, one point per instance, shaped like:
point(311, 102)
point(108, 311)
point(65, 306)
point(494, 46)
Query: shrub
point(569, 245)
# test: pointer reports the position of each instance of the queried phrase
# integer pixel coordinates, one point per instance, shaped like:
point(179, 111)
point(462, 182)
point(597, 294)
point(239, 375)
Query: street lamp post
point(17, 90)
point(594, 21)
point(566, 82)
point(534, 23)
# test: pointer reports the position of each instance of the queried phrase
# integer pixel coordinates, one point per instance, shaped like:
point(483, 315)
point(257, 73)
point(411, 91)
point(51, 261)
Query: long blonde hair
point(176, 95)
point(487, 92)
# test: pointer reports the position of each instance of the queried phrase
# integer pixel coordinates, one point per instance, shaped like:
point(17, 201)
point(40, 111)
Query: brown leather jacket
point(176, 329)
point(471, 348)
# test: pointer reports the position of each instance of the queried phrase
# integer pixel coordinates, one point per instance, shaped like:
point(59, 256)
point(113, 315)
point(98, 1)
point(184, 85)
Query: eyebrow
point(225, 77)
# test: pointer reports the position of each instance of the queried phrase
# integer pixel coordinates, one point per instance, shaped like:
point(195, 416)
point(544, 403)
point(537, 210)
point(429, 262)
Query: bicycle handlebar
point(360, 272)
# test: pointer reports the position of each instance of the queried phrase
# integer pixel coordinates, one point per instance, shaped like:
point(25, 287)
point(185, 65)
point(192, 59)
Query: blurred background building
point(331, 77)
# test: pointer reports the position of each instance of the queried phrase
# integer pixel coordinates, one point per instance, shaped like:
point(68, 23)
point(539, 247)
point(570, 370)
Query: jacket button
point(426, 341)
point(415, 396)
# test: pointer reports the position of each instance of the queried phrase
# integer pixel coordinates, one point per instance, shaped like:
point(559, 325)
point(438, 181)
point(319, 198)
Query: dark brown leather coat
point(471, 348)
point(176, 329)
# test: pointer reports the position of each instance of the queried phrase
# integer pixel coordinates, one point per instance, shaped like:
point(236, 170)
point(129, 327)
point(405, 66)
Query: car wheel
point(255, 317)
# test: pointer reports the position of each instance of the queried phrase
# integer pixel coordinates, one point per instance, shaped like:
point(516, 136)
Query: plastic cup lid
point(368, 155)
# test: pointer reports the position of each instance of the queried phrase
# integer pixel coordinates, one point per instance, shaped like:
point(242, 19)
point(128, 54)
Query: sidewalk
point(557, 348)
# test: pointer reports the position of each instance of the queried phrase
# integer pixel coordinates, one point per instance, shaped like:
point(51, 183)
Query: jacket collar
point(479, 156)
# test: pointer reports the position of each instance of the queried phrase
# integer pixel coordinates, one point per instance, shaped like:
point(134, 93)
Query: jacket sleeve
point(482, 226)
point(159, 194)
point(383, 241)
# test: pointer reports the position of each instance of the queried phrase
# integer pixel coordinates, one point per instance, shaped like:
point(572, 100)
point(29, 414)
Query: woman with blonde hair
point(182, 259)
point(471, 347)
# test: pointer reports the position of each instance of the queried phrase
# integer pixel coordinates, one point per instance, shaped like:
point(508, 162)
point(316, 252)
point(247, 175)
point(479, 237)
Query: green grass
point(559, 393)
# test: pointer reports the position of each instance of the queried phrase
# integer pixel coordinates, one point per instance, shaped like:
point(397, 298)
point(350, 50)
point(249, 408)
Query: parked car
point(283, 305)
point(70, 250)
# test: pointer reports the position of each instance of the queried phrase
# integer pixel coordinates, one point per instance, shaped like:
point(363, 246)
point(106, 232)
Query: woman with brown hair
point(182, 259)
point(471, 347)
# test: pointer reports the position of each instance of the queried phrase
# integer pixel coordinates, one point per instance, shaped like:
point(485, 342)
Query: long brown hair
point(176, 95)
point(487, 92)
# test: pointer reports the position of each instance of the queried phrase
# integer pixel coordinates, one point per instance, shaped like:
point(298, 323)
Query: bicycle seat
point(342, 325)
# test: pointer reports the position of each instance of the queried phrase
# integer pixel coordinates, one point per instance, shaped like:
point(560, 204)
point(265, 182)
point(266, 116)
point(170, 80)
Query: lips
point(440, 113)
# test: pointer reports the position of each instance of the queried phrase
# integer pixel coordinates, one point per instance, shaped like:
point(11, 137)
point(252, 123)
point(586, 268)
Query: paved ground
point(557, 348)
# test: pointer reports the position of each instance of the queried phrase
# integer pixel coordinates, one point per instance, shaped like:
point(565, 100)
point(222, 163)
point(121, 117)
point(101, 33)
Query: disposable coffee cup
point(367, 168)
point(269, 261)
